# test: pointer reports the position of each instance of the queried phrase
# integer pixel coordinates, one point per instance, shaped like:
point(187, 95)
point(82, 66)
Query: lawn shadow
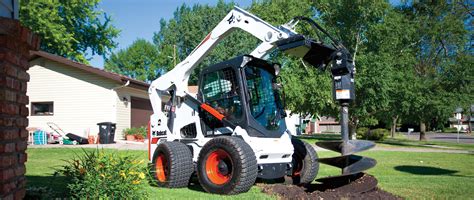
point(194, 184)
point(399, 143)
point(321, 137)
point(57, 184)
point(425, 170)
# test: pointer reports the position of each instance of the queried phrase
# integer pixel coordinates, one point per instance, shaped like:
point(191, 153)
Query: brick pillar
point(15, 43)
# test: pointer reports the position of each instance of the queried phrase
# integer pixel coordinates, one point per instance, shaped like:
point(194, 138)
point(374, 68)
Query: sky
point(140, 18)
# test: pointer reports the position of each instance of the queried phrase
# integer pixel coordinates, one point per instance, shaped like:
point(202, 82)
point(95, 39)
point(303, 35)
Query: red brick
point(21, 146)
point(22, 157)
point(23, 133)
point(6, 174)
point(24, 63)
point(12, 83)
point(8, 160)
point(23, 111)
point(21, 182)
point(3, 81)
point(23, 99)
point(9, 108)
point(13, 58)
point(22, 75)
point(7, 188)
point(23, 86)
point(7, 148)
point(8, 197)
point(9, 95)
point(8, 121)
point(20, 170)
point(3, 40)
point(20, 194)
point(21, 122)
point(9, 134)
point(10, 69)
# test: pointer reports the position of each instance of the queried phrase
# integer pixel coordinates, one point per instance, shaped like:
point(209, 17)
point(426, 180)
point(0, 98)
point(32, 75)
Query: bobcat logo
point(231, 19)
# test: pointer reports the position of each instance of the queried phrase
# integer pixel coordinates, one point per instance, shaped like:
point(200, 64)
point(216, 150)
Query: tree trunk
point(394, 125)
point(422, 131)
point(353, 128)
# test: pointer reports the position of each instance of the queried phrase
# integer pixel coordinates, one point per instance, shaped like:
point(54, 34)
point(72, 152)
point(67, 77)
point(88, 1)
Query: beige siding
point(124, 109)
point(81, 99)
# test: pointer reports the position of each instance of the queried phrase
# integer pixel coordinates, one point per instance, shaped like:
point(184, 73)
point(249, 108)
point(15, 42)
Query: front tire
point(172, 165)
point(305, 163)
point(227, 165)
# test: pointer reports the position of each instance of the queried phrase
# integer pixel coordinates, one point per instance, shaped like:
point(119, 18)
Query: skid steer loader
point(233, 131)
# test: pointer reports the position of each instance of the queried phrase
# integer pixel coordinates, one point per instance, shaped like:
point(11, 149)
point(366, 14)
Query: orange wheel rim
point(161, 168)
point(219, 167)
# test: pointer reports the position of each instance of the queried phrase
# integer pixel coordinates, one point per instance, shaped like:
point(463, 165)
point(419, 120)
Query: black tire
point(305, 163)
point(231, 166)
point(172, 165)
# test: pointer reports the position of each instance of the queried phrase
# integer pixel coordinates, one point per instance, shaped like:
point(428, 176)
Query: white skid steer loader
point(233, 131)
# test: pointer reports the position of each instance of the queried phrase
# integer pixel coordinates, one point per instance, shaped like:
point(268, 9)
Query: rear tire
point(172, 165)
point(305, 163)
point(227, 165)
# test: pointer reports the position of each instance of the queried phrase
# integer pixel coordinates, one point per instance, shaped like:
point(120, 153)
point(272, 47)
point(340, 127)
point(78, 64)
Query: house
point(76, 97)
point(319, 124)
point(462, 120)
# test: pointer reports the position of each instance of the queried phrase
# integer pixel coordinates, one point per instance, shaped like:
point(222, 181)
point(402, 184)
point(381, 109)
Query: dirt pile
point(364, 187)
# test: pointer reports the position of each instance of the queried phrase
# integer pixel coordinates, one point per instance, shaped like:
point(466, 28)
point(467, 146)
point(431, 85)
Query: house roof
point(109, 75)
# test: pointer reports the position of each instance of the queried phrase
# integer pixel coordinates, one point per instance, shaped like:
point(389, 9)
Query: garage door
point(141, 111)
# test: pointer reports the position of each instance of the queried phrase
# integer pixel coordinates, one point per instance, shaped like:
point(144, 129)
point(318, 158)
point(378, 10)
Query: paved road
point(444, 137)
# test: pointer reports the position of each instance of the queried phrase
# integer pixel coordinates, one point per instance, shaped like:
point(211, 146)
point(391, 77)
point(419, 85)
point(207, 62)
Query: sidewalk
point(409, 149)
point(120, 144)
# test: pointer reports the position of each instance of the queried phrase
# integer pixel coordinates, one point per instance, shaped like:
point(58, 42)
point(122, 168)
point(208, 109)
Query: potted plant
point(140, 134)
point(129, 134)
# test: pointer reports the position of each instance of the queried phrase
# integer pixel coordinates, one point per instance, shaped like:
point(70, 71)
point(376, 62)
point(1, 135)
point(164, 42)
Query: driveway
point(120, 144)
point(444, 137)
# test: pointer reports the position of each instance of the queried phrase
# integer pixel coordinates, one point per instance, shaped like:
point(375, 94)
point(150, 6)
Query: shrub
point(362, 132)
point(105, 175)
point(375, 135)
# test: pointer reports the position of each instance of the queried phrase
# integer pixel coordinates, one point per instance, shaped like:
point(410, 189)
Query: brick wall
point(15, 44)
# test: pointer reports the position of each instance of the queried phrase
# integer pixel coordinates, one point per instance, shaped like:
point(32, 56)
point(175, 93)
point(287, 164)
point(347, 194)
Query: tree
point(186, 30)
point(390, 41)
point(138, 61)
point(352, 22)
point(441, 40)
point(69, 28)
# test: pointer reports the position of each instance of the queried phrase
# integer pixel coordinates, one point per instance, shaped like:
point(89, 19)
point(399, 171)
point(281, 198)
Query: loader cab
point(246, 91)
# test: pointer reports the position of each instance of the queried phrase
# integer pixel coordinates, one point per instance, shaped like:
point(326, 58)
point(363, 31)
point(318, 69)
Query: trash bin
point(106, 132)
point(40, 137)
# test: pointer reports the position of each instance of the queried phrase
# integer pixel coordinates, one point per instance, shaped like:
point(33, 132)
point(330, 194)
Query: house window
point(42, 108)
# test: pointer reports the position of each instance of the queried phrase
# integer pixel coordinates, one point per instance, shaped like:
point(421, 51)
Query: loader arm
point(237, 18)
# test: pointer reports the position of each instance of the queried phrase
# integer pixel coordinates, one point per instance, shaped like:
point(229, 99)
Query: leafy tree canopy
point(138, 61)
point(69, 28)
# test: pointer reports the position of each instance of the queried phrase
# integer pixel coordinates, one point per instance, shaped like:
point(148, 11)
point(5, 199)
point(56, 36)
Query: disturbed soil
point(363, 186)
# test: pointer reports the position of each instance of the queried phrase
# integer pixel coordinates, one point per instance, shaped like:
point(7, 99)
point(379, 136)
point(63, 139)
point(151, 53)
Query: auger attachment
point(343, 92)
point(350, 164)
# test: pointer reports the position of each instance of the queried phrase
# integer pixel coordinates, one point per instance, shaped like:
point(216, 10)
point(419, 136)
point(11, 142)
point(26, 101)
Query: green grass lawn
point(406, 174)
